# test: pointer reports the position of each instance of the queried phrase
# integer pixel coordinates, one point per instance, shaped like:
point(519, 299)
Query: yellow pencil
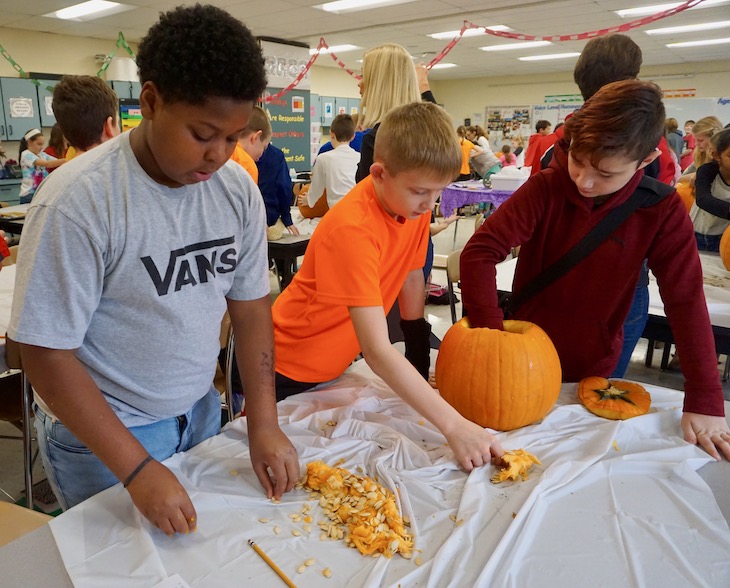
point(272, 565)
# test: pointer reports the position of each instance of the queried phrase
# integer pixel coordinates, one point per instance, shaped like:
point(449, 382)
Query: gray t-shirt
point(135, 275)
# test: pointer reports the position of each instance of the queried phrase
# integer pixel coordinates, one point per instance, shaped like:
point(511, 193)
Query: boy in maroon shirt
point(595, 168)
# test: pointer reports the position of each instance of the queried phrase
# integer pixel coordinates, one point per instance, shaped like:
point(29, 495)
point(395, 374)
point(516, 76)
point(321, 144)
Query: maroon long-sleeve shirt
point(583, 312)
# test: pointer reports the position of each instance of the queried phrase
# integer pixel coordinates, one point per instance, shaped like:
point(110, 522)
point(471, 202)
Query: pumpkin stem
point(613, 393)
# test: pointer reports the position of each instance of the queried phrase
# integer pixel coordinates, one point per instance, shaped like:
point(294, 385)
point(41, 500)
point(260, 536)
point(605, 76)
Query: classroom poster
point(290, 127)
point(289, 113)
point(508, 120)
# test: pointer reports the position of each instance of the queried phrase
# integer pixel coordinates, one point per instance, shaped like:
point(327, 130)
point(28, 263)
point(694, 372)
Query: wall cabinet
point(45, 98)
point(19, 111)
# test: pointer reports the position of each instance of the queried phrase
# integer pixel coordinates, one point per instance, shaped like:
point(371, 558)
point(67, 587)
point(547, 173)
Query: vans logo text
point(186, 271)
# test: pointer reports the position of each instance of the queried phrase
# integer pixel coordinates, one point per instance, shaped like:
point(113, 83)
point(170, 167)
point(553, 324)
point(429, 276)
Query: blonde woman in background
point(389, 80)
point(703, 130)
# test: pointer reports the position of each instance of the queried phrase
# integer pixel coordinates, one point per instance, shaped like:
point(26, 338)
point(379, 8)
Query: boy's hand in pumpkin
point(709, 432)
point(474, 446)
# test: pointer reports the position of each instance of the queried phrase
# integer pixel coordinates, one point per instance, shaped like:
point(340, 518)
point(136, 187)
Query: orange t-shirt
point(466, 147)
point(358, 256)
point(241, 157)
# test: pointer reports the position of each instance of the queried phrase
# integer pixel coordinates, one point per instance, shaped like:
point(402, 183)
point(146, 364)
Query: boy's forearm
point(372, 333)
point(406, 382)
point(253, 327)
point(66, 387)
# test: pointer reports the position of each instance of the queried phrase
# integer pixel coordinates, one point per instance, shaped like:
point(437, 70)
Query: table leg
point(665, 356)
point(456, 231)
point(649, 353)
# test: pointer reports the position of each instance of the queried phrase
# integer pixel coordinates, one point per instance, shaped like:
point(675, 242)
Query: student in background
point(366, 252)
point(685, 159)
point(594, 169)
point(35, 164)
point(250, 148)
point(355, 142)
point(87, 111)
point(540, 141)
point(518, 146)
point(276, 190)
point(253, 142)
point(57, 144)
point(127, 264)
point(507, 158)
point(484, 163)
point(710, 212)
point(467, 150)
point(703, 131)
point(334, 171)
point(674, 137)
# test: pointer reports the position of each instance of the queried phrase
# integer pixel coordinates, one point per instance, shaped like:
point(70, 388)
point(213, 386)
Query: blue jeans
point(76, 474)
point(708, 242)
point(429, 260)
point(633, 328)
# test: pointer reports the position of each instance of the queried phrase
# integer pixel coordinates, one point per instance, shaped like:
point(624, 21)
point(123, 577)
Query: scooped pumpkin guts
point(613, 399)
point(499, 379)
point(515, 464)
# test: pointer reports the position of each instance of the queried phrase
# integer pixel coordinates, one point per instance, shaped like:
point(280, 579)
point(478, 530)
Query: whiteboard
point(554, 113)
point(684, 109)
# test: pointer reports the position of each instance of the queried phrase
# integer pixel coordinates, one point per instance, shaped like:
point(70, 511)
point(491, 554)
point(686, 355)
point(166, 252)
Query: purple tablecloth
point(460, 194)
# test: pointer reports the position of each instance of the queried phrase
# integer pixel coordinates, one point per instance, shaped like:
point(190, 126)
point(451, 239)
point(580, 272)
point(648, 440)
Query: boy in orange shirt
point(253, 142)
point(367, 251)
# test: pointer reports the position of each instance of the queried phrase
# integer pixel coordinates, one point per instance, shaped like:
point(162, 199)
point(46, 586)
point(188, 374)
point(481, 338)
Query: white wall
point(333, 81)
point(51, 53)
point(463, 98)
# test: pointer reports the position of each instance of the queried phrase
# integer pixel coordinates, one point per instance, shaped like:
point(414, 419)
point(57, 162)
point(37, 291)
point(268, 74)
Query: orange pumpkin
point(499, 379)
point(687, 194)
point(725, 249)
point(613, 399)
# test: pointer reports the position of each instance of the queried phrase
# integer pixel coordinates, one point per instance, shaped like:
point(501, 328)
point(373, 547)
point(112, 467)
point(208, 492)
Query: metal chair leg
point(27, 451)
point(229, 372)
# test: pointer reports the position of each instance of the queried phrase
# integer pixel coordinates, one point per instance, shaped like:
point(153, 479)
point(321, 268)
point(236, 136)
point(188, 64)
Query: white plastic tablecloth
point(716, 287)
point(613, 504)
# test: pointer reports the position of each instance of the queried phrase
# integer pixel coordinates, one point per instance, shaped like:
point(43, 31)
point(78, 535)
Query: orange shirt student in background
point(366, 252)
point(467, 148)
point(253, 142)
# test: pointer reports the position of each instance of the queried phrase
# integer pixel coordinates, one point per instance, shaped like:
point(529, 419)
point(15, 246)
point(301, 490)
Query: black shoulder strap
point(648, 193)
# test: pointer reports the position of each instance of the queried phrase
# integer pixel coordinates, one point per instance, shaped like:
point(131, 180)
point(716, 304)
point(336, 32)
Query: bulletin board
point(508, 120)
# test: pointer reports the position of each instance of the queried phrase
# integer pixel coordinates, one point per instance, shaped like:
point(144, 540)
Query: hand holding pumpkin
point(709, 432)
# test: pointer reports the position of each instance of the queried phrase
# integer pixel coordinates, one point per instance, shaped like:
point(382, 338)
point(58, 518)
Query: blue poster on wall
point(285, 61)
point(290, 126)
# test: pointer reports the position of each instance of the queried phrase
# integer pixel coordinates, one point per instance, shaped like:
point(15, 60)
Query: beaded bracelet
point(137, 470)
